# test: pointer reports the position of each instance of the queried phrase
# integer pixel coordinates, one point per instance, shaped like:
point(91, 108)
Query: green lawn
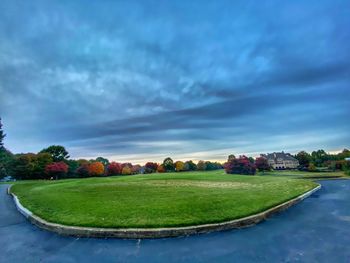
point(306, 175)
point(156, 200)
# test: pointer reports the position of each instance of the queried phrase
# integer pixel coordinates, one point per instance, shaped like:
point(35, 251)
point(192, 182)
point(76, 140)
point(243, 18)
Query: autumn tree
point(179, 166)
point(161, 169)
point(135, 169)
point(83, 170)
point(56, 170)
point(262, 164)
point(168, 164)
point(201, 166)
point(40, 162)
point(126, 170)
point(96, 169)
point(114, 168)
point(150, 167)
point(57, 152)
point(241, 165)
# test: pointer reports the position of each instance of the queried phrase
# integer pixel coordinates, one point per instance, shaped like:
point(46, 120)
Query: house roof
point(279, 155)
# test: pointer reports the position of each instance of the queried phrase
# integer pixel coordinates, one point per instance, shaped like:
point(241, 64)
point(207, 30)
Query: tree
point(136, 169)
point(201, 166)
point(96, 169)
point(231, 157)
point(179, 166)
point(102, 160)
point(312, 167)
point(83, 170)
point(319, 157)
point(191, 166)
point(304, 158)
point(40, 162)
point(73, 165)
point(56, 170)
point(262, 164)
point(57, 152)
point(168, 164)
point(241, 165)
point(6, 163)
point(126, 170)
point(161, 169)
point(2, 136)
point(114, 168)
point(23, 166)
point(150, 167)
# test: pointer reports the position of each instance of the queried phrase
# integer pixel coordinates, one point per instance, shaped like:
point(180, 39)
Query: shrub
point(114, 168)
point(96, 169)
point(312, 167)
point(56, 170)
point(241, 165)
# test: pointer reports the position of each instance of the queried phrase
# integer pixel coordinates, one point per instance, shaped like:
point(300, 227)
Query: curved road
point(316, 230)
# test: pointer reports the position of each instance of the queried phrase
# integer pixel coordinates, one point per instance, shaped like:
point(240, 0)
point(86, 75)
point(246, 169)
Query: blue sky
point(143, 80)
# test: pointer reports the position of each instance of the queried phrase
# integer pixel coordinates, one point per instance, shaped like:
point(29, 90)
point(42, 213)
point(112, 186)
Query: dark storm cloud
point(198, 79)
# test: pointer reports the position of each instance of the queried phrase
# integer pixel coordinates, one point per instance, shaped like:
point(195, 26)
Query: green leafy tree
point(201, 166)
point(40, 161)
point(191, 166)
point(102, 160)
point(2, 136)
point(319, 157)
point(304, 158)
point(168, 164)
point(57, 152)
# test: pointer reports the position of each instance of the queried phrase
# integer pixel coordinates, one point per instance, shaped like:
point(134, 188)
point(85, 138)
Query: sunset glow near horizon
point(140, 81)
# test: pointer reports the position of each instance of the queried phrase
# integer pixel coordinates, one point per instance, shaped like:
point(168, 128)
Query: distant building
point(281, 160)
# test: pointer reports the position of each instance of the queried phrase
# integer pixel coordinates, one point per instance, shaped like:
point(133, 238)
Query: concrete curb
point(137, 233)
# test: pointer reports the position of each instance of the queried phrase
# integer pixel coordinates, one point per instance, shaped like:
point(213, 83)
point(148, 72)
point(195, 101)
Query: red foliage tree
point(262, 164)
point(241, 165)
point(151, 167)
point(56, 170)
point(114, 168)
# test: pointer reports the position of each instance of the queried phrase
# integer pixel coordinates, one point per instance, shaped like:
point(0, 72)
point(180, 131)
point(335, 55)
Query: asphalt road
point(316, 230)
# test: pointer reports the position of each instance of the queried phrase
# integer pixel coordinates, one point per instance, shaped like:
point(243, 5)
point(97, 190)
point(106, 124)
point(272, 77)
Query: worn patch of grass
point(157, 200)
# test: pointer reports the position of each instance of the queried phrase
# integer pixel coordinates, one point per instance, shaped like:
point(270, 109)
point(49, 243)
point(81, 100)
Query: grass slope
point(156, 200)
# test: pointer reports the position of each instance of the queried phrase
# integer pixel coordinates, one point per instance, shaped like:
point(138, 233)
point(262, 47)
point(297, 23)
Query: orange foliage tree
point(126, 170)
point(96, 169)
point(161, 169)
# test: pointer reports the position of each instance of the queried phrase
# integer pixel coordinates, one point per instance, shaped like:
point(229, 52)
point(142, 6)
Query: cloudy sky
point(143, 80)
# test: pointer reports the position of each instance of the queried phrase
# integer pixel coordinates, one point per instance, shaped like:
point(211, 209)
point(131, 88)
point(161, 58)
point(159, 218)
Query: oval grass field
point(156, 200)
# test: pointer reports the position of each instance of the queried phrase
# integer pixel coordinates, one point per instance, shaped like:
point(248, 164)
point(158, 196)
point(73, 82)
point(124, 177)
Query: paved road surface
point(316, 230)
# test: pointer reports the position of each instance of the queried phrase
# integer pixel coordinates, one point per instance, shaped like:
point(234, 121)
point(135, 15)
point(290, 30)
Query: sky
point(144, 80)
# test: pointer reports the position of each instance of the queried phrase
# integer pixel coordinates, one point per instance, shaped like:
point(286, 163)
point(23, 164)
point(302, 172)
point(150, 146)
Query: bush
point(312, 168)
point(262, 164)
point(241, 165)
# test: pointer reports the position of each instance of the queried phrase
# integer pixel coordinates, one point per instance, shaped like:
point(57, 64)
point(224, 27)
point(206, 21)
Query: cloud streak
point(145, 80)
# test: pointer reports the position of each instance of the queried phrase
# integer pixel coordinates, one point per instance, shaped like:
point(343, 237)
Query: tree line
point(54, 162)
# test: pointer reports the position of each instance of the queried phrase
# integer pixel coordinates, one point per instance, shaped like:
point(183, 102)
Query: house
point(281, 160)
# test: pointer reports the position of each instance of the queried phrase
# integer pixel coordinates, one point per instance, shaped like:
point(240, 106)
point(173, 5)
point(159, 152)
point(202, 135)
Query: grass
point(157, 200)
point(307, 175)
